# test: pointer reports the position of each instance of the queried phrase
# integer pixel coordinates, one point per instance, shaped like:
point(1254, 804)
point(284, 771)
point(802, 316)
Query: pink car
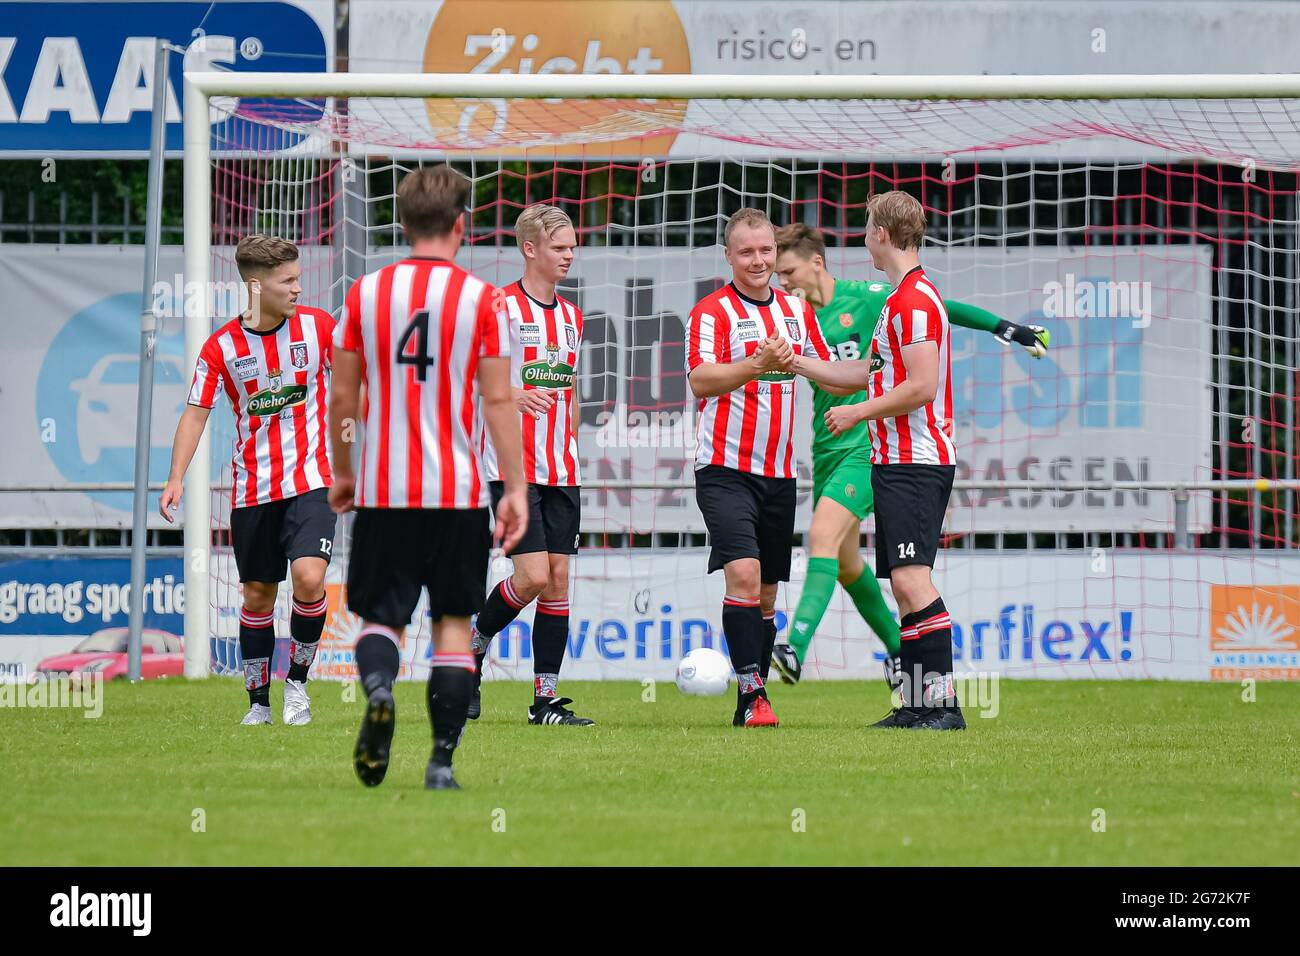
point(104, 652)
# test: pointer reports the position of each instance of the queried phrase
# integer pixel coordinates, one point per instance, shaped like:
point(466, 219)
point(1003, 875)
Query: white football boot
point(297, 706)
point(257, 714)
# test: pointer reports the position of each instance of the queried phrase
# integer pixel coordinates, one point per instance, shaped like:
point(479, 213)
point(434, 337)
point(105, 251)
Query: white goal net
point(1125, 507)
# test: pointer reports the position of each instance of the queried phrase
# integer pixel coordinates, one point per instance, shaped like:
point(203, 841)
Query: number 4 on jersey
point(413, 346)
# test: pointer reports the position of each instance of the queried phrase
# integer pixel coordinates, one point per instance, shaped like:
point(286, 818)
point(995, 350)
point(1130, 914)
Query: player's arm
point(207, 382)
point(838, 378)
point(815, 357)
point(345, 402)
point(345, 399)
point(188, 432)
point(718, 378)
point(1034, 338)
point(502, 422)
point(573, 393)
point(921, 362)
point(494, 379)
point(710, 376)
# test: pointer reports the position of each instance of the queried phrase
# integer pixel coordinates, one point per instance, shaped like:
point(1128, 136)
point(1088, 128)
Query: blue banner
point(81, 595)
point(78, 77)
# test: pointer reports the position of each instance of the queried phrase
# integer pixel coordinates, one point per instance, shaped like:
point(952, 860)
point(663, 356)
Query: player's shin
point(256, 647)
point(818, 586)
point(934, 648)
point(305, 626)
point(742, 623)
point(769, 641)
point(503, 605)
point(870, 602)
point(377, 658)
point(451, 681)
point(909, 653)
point(550, 634)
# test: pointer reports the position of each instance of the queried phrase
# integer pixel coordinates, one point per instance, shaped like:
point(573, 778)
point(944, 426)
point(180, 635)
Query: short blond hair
point(257, 255)
point(899, 214)
point(540, 219)
point(748, 216)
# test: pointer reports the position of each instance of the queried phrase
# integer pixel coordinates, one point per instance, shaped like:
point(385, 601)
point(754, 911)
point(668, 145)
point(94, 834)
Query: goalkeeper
point(847, 311)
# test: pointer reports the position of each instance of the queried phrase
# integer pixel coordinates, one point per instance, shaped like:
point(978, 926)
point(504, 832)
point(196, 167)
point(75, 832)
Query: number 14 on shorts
point(907, 550)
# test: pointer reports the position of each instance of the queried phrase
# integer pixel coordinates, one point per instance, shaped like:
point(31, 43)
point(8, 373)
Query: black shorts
point(397, 551)
point(748, 516)
point(910, 503)
point(267, 537)
point(554, 512)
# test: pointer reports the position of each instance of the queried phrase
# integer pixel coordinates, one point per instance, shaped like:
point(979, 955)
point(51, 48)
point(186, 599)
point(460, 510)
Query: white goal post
point(200, 89)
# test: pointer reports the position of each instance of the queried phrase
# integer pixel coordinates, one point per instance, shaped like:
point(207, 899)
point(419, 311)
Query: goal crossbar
point(201, 87)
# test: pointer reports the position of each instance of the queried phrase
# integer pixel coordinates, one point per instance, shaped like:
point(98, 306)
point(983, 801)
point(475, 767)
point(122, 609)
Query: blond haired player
point(545, 340)
point(848, 310)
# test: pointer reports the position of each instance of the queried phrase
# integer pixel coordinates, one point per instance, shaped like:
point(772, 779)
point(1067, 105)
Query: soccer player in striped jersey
point(847, 311)
point(545, 339)
point(273, 364)
point(428, 342)
point(741, 343)
point(908, 381)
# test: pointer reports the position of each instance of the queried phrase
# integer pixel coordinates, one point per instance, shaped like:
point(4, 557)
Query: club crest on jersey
point(552, 354)
point(792, 326)
point(571, 338)
point(276, 378)
point(298, 354)
point(846, 319)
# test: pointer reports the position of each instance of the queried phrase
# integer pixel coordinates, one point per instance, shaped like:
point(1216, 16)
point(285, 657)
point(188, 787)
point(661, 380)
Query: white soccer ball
point(704, 672)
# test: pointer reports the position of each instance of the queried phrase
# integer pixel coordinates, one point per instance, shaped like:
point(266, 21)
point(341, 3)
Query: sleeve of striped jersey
point(814, 343)
point(704, 338)
point(347, 334)
point(916, 320)
point(326, 329)
point(577, 321)
point(493, 324)
point(208, 373)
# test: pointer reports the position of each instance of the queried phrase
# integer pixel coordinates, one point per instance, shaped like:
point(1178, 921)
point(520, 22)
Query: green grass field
point(1185, 773)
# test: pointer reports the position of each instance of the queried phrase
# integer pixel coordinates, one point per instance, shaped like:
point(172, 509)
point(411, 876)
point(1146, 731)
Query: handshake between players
point(777, 354)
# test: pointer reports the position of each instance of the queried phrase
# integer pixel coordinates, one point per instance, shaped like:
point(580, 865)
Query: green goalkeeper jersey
point(848, 321)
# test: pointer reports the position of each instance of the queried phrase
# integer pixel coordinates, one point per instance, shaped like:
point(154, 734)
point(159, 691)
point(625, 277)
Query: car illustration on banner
point(108, 401)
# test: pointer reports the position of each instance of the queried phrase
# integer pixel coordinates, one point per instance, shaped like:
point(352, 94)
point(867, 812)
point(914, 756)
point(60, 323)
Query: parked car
point(104, 652)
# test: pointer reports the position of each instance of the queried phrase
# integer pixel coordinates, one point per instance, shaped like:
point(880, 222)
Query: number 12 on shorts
point(907, 550)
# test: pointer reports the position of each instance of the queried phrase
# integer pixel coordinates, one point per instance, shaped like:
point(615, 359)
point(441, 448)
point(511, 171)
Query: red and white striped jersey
point(544, 344)
point(752, 428)
point(421, 325)
point(913, 313)
point(278, 386)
